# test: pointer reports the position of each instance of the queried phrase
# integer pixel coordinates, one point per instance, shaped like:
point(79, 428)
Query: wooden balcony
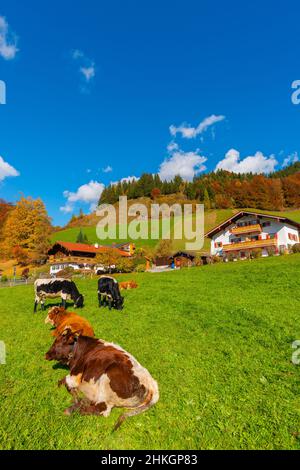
point(250, 245)
point(71, 259)
point(246, 229)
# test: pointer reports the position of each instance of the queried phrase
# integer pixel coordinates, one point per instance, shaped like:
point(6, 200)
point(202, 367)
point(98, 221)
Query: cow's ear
point(77, 334)
point(66, 331)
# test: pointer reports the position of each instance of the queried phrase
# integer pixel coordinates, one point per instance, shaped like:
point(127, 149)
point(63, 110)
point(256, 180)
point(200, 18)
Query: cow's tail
point(151, 399)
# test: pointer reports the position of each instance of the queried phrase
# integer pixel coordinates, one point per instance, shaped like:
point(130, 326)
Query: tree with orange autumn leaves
point(26, 232)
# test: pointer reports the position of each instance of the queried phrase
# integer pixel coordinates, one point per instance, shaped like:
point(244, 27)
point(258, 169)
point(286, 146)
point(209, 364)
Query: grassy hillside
point(222, 358)
point(212, 218)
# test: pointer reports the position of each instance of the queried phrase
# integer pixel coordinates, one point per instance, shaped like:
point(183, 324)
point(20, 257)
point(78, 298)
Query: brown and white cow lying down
point(106, 375)
point(62, 320)
point(126, 285)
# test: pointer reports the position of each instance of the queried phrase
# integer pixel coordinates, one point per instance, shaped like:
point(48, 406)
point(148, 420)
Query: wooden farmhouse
point(78, 256)
point(248, 231)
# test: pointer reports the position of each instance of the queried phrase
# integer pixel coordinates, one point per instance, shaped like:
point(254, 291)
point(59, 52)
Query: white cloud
point(77, 54)
point(290, 159)
point(172, 146)
point(87, 67)
point(88, 72)
point(107, 169)
point(67, 208)
point(257, 163)
point(87, 193)
point(8, 41)
point(7, 170)
point(185, 164)
point(189, 132)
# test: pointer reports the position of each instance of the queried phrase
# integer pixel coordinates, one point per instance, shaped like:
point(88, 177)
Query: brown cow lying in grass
point(61, 319)
point(128, 285)
point(105, 374)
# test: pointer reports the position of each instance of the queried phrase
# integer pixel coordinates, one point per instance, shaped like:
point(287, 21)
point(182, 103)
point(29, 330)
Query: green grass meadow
point(218, 339)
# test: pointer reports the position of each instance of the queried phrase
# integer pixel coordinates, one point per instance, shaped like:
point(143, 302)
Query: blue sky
point(94, 85)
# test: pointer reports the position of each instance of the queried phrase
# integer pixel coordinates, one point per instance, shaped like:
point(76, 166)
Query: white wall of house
point(287, 235)
point(55, 268)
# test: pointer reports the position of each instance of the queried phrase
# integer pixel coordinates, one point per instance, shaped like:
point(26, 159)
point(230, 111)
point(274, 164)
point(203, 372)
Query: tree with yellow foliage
point(28, 227)
point(108, 257)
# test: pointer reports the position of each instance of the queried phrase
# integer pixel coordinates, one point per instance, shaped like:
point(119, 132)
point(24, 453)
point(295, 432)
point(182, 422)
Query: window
point(266, 224)
point(293, 237)
point(218, 245)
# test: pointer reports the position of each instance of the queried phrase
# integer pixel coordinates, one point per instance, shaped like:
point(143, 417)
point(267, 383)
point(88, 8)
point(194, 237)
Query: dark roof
point(119, 245)
point(241, 214)
point(83, 248)
point(183, 254)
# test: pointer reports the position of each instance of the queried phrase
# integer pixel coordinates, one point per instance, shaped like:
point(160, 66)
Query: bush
point(164, 248)
point(257, 253)
point(198, 261)
point(140, 268)
point(66, 272)
point(217, 259)
point(125, 265)
point(4, 278)
point(271, 251)
point(296, 248)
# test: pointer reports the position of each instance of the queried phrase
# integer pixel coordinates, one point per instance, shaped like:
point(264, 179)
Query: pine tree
point(206, 200)
point(80, 237)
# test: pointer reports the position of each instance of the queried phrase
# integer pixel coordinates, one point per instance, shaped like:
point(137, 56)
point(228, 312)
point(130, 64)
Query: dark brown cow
point(107, 376)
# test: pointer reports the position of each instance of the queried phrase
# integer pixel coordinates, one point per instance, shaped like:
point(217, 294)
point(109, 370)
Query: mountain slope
point(212, 218)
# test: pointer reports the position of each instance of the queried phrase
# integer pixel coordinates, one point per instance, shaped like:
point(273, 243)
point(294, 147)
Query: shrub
point(198, 261)
point(140, 268)
point(125, 265)
point(257, 253)
point(271, 251)
point(66, 272)
point(217, 259)
point(4, 278)
point(296, 248)
point(164, 248)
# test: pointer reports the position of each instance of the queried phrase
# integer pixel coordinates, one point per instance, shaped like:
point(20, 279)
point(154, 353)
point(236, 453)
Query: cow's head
point(119, 303)
point(62, 348)
point(79, 301)
point(54, 314)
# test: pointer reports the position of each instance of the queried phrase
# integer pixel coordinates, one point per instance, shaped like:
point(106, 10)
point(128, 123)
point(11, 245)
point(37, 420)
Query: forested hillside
point(220, 190)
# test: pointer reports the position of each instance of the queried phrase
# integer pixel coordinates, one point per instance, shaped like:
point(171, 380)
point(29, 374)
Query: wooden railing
point(250, 244)
point(246, 229)
point(70, 259)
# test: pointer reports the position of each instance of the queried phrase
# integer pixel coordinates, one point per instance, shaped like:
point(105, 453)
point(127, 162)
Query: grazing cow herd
point(102, 375)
